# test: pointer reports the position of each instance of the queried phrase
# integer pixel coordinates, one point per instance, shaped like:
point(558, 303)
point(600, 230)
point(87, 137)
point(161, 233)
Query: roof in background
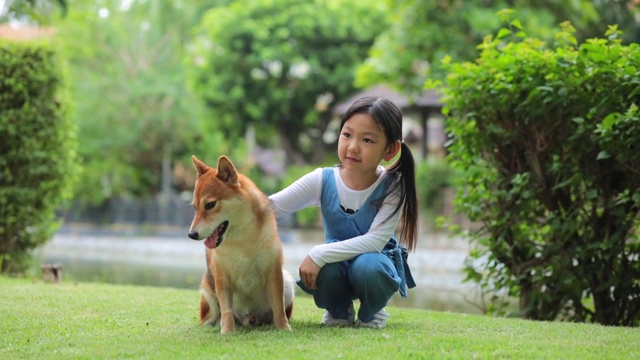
point(428, 98)
point(25, 33)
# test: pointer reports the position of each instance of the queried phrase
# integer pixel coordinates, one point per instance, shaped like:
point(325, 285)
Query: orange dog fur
point(244, 283)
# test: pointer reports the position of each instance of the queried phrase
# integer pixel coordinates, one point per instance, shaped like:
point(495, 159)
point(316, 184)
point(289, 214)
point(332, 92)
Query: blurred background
point(265, 82)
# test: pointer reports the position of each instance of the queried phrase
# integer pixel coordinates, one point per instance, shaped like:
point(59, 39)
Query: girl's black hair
point(389, 118)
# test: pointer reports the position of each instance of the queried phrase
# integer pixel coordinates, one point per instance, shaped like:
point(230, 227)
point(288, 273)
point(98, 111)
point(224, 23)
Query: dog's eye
point(210, 205)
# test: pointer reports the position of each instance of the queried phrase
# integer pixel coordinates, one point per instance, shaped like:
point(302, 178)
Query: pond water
point(174, 260)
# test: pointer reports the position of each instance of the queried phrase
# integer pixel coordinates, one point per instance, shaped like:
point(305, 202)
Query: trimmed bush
point(547, 135)
point(37, 149)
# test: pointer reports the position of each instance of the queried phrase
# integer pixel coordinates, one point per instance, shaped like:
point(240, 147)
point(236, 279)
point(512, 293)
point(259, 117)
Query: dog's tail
point(289, 293)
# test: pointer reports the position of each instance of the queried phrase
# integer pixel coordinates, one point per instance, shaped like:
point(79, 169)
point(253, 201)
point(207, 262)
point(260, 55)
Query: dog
point(244, 283)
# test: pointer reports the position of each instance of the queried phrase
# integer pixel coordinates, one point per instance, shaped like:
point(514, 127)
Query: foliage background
point(423, 32)
point(149, 92)
point(279, 67)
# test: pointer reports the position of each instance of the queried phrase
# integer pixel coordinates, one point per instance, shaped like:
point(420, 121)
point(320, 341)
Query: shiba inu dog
point(244, 283)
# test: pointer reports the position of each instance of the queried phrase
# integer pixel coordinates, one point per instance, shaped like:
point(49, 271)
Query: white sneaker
point(329, 320)
point(379, 320)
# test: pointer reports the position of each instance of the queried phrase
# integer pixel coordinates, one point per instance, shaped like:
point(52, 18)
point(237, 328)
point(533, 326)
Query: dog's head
point(216, 200)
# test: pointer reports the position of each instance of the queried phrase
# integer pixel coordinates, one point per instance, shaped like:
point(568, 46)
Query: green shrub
point(432, 177)
point(547, 135)
point(37, 150)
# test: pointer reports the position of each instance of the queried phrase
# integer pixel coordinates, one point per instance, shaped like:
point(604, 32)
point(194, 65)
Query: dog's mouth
point(215, 239)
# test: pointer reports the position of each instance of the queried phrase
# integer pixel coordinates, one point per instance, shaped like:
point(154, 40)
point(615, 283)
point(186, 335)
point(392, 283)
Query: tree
point(280, 65)
point(423, 32)
point(547, 136)
point(134, 113)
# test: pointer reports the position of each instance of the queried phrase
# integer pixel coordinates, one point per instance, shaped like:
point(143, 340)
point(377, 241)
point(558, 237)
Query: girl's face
point(362, 144)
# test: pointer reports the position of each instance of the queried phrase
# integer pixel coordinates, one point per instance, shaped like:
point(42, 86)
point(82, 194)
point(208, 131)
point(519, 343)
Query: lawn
point(102, 321)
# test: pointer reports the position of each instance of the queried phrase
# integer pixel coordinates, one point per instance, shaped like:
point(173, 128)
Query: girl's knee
point(333, 287)
point(374, 267)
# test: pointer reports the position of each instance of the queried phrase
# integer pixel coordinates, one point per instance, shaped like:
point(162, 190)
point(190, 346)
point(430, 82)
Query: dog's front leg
point(225, 298)
point(276, 299)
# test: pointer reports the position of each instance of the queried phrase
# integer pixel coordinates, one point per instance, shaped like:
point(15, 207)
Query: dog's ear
point(200, 166)
point(227, 172)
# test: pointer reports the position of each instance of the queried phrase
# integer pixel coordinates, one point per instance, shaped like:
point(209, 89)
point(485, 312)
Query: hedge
point(37, 148)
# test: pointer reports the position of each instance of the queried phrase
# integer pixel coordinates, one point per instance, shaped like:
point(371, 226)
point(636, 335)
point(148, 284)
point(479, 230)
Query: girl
point(361, 203)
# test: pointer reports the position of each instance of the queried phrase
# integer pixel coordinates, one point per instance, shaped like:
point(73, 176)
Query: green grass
point(101, 321)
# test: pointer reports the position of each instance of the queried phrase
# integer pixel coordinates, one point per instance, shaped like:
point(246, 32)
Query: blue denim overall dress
point(370, 277)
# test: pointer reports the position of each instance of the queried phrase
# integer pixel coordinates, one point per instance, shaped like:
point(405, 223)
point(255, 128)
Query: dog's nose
point(193, 235)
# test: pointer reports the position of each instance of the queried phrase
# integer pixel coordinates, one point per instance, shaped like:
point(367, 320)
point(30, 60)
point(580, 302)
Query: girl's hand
point(309, 272)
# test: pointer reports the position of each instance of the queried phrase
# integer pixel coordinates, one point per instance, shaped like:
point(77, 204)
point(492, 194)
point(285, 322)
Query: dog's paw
point(227, 327)
point(284, 326)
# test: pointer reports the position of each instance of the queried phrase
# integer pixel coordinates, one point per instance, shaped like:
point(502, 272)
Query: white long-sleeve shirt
point(306, 192)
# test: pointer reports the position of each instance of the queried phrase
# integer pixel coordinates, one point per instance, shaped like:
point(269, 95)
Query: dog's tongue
point(211, 241)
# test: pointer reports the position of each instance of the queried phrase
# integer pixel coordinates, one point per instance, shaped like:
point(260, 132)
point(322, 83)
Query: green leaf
point(610, 120)
point(503, 32)
point(603, 155)
point(517, 24)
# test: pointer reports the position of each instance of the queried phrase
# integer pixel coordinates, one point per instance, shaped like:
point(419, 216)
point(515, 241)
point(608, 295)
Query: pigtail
point(405, 169)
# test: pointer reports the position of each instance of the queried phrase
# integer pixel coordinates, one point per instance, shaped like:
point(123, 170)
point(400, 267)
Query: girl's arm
point(373, 241)
point(303, 193)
